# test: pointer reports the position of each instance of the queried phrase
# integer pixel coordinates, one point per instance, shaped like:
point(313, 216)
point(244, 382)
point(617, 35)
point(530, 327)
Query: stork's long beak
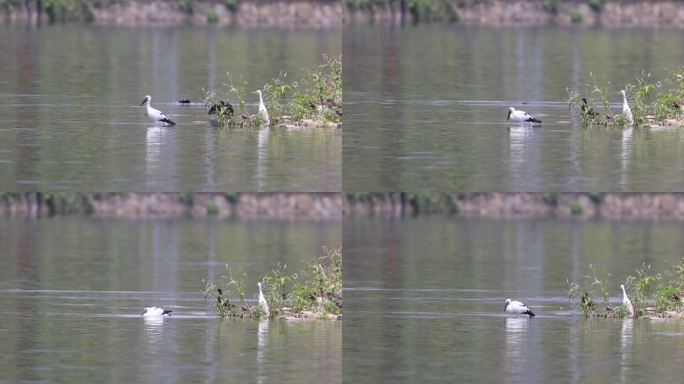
point(143, 102)
point(509, 115)
point(143, 312)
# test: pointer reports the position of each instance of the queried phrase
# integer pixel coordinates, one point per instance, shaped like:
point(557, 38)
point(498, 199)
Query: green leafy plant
point(187, 6)
point(551, 199)
point(576, 17)
point(274, 288)
point(232, 5)
point(551, 6)
point(318, 289)
point(68, 10)
point(318, 97)
point(212, 208)
point(585, 290)
point(187, 198)
point(650, 101)
point(229, 300)
point(576, 208)
point(212, 17)
point(596, 5)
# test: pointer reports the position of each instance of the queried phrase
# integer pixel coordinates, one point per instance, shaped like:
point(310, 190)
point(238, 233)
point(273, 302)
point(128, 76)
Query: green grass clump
point(649, 293)
point(212, 209)
point(318, 289)
point(187, 198)
point(587, 289)
point(68, 10)
point(65, 203)
point(596, 197)
point(317, 97)
point(212, 17)
point(650, 101)
point(229, 300)
point(232, 5)
point(551, 6)
point(432, 10)
point(231, 197)
point(187, 6)
point(576, 208)
point(576, 17)
point(596, 5)
point(551, 199)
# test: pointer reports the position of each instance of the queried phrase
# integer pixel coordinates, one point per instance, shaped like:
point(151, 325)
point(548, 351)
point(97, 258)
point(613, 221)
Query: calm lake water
point(426, 109)
point(72, 291)
point(70, 117)
point(424, 301)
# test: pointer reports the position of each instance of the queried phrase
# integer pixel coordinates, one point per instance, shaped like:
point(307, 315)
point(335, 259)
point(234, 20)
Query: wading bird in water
point(156, 115)
point(517, 307)
point(521, 116)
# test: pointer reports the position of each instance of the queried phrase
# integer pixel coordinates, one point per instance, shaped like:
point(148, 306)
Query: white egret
point(156, 115)
point(517, 307)
point(263, 305)
point(625, 300)
point(626, 111)
point(262, 109)
point(156, 312)
point(521, 116)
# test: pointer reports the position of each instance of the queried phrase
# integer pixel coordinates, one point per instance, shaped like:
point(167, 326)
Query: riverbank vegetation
point(654, 103)
point(315, 100)
point(298, 14)
point(654, 295)
point(315, 292)
point(324, 206)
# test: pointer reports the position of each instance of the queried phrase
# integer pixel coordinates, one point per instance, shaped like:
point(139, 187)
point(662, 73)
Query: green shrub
point(212, 209)
point(576, 17)
point(231, 197)
point(232, 5)
point(596, 197)
point(576, 209)
point(187, 198)
point(212, 17)
point(187, 6)
point(596, 5)
point(551, 199)
point(551, 6)
point(68, 10)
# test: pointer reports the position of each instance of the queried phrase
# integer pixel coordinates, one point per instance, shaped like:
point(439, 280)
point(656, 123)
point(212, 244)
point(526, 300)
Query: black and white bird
point(156, 115)
point(262, 109)
point(156, 312)
point(587, 110)
point(626, 111)
point(263, 305)
point(521, 116)
point(517, 307)
point(626, 302)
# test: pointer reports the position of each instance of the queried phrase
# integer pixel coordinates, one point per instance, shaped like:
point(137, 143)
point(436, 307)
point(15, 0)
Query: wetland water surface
point(72, 291)
point(426, 108)
point(70, 116)
point(424, 301)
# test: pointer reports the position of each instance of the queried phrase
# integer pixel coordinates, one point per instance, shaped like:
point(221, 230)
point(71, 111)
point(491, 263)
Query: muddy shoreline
point(611, 206)
point(296, 14)
point(242, 206)
point(528, 13)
